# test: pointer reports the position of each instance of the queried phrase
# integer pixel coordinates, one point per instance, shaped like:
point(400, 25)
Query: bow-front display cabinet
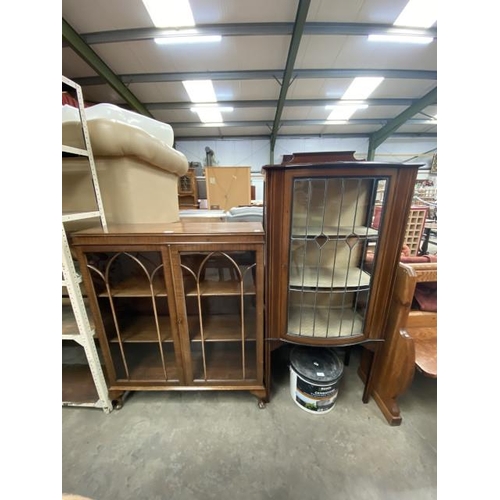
point(330, 272)
point(177, 306)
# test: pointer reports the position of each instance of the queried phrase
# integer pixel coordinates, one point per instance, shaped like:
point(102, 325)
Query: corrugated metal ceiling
point(108, 48)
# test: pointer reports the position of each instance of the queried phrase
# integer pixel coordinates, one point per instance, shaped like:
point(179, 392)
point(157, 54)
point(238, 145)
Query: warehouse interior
point(280, 73)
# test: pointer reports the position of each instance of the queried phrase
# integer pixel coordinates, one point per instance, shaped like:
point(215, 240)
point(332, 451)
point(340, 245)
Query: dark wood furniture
point(411, 339)
point(321, 290)
point(177, 306)
point(187, 190)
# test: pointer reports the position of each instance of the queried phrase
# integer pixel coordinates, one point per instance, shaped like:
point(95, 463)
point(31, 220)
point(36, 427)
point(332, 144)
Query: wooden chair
point(410, 343)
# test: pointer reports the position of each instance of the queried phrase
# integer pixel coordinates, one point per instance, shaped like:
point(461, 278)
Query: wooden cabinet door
point(331, 267)
point(219, 296)
point(137, 333)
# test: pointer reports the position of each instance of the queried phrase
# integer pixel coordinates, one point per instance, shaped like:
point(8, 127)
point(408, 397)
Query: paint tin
point(315, 374)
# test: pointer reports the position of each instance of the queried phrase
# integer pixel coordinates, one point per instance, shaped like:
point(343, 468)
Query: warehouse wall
point(255, 152)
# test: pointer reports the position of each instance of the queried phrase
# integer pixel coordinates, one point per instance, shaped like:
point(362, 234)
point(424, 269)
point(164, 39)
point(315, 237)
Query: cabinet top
point(339, 159)
point(181, 230)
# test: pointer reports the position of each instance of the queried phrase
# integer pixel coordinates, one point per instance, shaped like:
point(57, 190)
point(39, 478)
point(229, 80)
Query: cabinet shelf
point(327, 278)
point(70, 329)
point(145, 366)
point(78, 387)
point(324, 323)
point(143, 329)
point(313, 230)
point(217, 288)
point(224, 363)
point(136, 287)
point(222, 328)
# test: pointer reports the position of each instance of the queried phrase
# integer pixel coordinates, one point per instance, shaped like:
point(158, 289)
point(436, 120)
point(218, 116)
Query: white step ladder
point(83, 332)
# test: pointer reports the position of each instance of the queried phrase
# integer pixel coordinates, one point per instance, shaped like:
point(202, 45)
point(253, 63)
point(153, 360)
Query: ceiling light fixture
point(201, 107)
point(179, 39)
point(200, 90)
point(418, 14)
point(169, 13)
point(209, 113)
point(400, 38)
point(344, 112)
point(357, 104)
point(362, 86)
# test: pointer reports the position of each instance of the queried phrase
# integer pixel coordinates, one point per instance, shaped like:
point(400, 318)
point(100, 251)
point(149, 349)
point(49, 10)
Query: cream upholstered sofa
point(137, 167)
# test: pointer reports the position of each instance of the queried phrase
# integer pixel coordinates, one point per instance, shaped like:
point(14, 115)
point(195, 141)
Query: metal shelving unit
point(86, 385)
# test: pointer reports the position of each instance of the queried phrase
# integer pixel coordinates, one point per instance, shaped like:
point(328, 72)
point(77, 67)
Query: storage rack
point(89, 381)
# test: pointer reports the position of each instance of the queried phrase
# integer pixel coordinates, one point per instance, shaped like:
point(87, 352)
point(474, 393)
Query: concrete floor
point(220, 445)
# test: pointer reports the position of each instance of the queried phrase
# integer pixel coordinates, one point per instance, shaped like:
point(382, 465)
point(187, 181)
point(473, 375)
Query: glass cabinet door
point(333, 248)
point(220, 295)
point(130, 288)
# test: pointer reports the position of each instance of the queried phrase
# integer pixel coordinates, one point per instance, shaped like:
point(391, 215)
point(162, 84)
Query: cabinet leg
point(262, 398)
point(117, 398)
point(369, 376)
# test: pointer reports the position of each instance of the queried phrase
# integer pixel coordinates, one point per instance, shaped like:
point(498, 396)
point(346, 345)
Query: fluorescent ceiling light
point(209, 115)
point(202, 107)
point(400, 38)
point(178, 39)
point(357, 104)
point(361, 87)
point(418, 14)
point(169, 13)
point(335, 122)
point(344, 112)
point(200, 90)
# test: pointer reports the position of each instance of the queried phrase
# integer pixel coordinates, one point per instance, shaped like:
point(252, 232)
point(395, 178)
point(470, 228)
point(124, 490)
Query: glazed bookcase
point(178, 306)
point(330, 268)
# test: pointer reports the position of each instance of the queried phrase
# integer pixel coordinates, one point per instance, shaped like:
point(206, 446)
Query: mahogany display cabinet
point(329, 272)
point(177, 306)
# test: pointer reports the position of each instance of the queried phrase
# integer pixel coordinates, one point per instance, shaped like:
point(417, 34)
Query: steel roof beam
point(253, 29)
point(266, 74)
point(293, 123)
point(271, 103)
point(297, 136)
point(387, 130)
point(99, 66)
point(298, 28)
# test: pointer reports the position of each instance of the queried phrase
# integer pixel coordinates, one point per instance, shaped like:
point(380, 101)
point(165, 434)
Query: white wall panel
point(255, 152)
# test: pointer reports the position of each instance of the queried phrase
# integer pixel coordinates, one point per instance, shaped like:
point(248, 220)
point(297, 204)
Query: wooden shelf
point(224, 363)
point(324, 323)
point(321, 277)
point(136, 287)
point(222, 328)
point(145, 364)
point(143, 329)
point(217, 288)
point(313, 230)
point(69, 325)
point(78, 386)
